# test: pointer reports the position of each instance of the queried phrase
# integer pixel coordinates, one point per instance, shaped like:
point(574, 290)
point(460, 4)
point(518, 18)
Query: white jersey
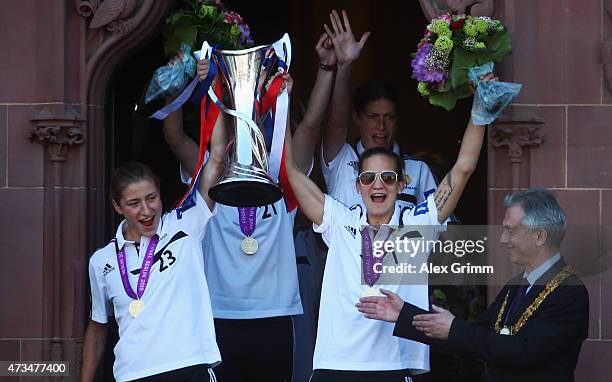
point(175, 329)
point(345, 339)
point(252, 286)
point(341, 174)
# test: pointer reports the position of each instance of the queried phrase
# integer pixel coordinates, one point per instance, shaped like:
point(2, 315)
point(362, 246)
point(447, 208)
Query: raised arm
point(347, 51)
point(309, 197)
point(214, 165)
point(450, 189)
point(186, 150)
point(183, 147)
point(307, 132)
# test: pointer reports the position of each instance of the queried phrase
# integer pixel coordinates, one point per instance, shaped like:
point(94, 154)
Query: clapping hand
point(435, 325)
point(381, 308)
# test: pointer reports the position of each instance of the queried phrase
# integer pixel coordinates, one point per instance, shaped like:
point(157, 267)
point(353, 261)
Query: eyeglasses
point(367, 178)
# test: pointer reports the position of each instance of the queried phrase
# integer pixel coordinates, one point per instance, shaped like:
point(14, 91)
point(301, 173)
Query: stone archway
point(97, 36)
point(113, 28)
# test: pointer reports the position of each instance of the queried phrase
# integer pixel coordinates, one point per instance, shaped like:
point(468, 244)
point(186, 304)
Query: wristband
point(328, 68)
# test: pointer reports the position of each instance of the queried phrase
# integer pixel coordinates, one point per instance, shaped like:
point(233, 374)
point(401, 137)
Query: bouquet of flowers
point(193, 22)
point(452, 45)
point(199, 20)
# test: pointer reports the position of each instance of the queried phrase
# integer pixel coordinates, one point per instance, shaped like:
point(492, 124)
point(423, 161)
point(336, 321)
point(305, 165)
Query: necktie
point(518, 298)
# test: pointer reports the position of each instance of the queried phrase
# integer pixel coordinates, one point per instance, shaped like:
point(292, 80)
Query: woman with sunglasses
point(348, 346)
point(375, 113)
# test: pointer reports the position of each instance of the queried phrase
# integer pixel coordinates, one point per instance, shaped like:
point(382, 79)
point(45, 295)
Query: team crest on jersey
point(407, 179)
point(354, 164)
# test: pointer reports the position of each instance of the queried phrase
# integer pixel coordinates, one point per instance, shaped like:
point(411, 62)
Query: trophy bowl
point(245, 181)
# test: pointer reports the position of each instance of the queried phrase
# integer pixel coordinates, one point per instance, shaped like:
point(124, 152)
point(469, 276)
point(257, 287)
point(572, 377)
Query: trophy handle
point(257, 139)
point(283, 49)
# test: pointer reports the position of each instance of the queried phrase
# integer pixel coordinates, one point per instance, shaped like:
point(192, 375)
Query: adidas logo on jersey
point(354, 164)
point(351, 230)
point(107, 269)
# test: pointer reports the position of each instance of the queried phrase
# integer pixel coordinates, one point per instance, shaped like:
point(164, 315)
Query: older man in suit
point(534, 329)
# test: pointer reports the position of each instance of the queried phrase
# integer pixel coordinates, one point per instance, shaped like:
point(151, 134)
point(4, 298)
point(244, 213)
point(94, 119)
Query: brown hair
point(131, 172)
point(374, 151)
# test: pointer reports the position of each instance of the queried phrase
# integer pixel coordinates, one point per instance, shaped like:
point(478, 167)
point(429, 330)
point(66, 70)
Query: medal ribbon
point(368, 260)
point(145, 270)
point(247, 219)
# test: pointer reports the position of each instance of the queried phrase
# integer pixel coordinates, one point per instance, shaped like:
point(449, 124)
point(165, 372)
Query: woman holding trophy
point(254, 289)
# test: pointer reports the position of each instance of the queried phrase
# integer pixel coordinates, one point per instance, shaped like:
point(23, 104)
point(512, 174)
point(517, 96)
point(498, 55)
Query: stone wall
point(558, 134)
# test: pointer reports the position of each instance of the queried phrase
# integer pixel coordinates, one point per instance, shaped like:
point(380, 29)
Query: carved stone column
point(58, 131)
point(516, 129)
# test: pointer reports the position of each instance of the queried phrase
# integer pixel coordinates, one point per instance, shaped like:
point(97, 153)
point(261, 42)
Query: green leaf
point(439, 295)
point(207, 11)
point(171, 45)
point(178, 18)
point(447, 100)
point(462, 62)
point(499, 45)
point(186, 34)
point(234, 31)
point(463, 91)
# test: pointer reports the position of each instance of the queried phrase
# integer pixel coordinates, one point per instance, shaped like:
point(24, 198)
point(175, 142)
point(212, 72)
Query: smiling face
point(141, 206)
point(522, 246)
point(379, 197)
point(377, 123)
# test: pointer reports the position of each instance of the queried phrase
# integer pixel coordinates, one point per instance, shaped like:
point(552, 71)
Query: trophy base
point(245, 193)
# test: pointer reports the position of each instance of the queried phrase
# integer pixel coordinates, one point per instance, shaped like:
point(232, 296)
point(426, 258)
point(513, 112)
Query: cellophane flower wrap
point(187, 26)
point(451, 46)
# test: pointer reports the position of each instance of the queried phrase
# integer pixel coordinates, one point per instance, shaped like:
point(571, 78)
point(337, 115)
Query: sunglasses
point(367, 178)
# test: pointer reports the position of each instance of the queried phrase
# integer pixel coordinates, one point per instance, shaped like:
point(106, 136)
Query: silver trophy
point(246, 181)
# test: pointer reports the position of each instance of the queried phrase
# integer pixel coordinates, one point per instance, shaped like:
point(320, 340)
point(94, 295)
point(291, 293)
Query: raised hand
point(487, 77)
point(203, 68)
point(325, 50)
point(287, 81)
point(347, 48)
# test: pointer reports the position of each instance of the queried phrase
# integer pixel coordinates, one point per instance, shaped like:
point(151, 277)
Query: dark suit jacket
point(545, 349)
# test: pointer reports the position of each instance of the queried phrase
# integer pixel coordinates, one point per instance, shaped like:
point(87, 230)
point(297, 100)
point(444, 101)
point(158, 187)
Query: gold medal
point(249, 246)
point(505, 331)
point(370, 292)
point(136, 307)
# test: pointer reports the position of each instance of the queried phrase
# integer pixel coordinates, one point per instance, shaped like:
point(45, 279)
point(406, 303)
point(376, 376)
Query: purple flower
point(420, 68)
point(245, 35)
